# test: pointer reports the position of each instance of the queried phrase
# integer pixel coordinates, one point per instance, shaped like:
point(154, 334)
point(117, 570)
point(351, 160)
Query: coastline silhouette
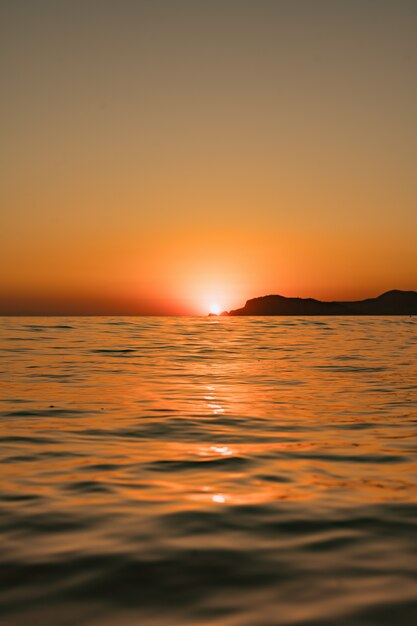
point(394, 302)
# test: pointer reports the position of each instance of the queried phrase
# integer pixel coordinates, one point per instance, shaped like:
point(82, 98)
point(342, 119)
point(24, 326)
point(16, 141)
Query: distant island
point(393, 302)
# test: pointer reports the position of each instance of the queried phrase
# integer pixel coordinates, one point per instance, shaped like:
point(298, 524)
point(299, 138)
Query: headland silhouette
point(393, 302)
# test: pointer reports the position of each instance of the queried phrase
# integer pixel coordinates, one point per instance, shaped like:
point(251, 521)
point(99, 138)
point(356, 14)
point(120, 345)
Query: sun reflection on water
point(149, 435)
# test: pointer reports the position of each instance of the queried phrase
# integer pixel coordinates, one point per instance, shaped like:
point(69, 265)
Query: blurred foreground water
point(191, 471)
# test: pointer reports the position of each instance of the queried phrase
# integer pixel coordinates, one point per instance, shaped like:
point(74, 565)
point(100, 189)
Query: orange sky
point(161, 157)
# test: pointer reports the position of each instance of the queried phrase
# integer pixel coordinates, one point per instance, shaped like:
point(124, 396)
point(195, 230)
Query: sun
point(214, 309)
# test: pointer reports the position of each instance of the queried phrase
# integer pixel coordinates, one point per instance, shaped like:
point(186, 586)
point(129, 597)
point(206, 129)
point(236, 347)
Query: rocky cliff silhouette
point(393, 302)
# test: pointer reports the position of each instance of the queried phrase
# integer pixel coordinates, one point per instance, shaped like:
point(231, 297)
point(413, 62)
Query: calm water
point(230, 471)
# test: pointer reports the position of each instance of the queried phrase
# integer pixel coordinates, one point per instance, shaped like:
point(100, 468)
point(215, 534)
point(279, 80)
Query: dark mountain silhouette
point(390, 303)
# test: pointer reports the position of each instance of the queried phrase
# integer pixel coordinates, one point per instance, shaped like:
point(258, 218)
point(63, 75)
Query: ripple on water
point(197, 472)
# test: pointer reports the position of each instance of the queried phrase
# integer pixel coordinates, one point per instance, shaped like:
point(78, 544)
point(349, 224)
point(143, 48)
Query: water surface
point(191, 471)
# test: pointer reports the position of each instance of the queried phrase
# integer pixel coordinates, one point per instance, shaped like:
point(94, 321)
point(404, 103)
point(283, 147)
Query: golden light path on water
point(250, 471)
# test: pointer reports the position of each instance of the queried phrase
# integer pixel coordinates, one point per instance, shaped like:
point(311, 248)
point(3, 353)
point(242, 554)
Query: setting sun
point(166, 163)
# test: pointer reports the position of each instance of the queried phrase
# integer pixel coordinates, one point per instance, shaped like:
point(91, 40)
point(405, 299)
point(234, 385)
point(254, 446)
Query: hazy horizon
point(83, 308)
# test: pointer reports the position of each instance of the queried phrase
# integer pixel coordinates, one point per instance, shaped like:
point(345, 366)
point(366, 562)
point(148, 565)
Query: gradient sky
point(161, 156)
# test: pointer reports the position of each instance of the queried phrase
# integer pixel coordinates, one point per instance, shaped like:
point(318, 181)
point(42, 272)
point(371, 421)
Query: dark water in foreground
point(231, 471)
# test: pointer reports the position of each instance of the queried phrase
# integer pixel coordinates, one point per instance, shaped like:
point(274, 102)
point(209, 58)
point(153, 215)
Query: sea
point(228, 471)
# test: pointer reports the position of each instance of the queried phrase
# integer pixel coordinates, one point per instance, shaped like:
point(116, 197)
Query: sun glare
point(214, 309)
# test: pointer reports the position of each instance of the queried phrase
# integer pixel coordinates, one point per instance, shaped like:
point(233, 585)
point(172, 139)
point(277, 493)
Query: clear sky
point(162, 156)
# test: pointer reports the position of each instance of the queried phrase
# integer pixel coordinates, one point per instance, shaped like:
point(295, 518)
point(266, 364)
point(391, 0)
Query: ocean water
point(208, 471)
